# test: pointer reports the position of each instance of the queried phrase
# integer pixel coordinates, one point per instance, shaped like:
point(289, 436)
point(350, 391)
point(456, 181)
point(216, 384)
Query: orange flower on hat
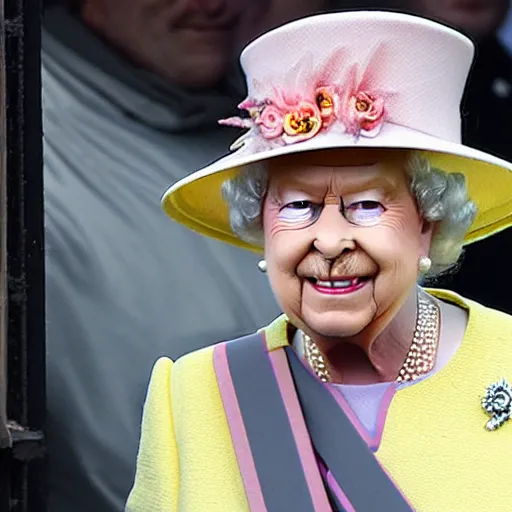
point(271, 122)
point(364, 114)
point(325, 100)
point(302, 123)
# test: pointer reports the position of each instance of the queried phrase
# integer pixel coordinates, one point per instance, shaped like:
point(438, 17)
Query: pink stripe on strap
point(352, 416)
point(237, 429)
point(373, 443)
point(300, 432)
point(381, 418)
point(336, 489)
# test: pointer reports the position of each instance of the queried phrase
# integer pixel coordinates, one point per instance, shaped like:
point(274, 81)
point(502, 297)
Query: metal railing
point(22, 324)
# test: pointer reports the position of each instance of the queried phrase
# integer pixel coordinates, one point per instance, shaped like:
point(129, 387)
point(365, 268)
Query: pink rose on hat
point(364, 114)
point(271, 122)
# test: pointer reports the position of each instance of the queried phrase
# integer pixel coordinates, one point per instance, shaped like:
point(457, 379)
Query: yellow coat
point(434, 443)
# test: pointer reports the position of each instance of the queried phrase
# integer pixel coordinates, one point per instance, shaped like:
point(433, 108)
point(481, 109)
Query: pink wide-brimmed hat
point(351, 80)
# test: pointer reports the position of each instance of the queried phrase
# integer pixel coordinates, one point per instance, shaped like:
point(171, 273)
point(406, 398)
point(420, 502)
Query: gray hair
point(441, 197)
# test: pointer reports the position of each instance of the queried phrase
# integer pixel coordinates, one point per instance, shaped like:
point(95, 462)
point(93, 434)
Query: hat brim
point(197, 203)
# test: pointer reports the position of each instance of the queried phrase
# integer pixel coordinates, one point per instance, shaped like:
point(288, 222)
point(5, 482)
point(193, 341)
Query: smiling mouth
point(339, 286)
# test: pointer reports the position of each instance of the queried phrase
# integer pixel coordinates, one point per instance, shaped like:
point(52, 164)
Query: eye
point(298, 211)
point(299, 205)
point(364, 213)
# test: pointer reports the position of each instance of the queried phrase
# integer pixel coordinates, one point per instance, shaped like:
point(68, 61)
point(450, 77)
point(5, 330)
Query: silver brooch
point(497, 402)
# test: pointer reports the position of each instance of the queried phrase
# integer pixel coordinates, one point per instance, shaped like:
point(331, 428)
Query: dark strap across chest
point(282, 419)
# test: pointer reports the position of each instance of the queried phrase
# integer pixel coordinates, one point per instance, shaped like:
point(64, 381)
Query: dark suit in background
point(487, 125)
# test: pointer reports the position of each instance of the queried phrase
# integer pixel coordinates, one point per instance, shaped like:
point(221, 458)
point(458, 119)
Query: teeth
point(336, 284)
point(341, 284)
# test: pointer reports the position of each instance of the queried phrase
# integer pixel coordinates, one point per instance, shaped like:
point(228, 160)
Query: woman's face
point(342, 239)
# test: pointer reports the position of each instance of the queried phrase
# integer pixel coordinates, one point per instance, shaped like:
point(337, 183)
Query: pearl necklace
point(421, 356)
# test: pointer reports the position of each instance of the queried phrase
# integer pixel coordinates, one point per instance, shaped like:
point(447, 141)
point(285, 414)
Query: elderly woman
point(370, 393)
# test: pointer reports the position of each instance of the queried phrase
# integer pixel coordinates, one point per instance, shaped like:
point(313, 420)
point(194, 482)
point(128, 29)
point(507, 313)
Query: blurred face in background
point(191, 43)
point(477, 18)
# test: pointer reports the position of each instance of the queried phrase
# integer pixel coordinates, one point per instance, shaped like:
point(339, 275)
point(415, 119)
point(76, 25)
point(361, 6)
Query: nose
point(333, 233)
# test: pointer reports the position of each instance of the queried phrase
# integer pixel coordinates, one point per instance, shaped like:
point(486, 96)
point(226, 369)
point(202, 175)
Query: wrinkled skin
point(344, 214)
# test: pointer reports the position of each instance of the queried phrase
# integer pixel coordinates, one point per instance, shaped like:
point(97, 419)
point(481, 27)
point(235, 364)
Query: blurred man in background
point(132, 91)
point(487, 111)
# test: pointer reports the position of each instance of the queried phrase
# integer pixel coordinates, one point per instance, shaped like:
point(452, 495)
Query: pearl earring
point(262, 265)
point(424, 264)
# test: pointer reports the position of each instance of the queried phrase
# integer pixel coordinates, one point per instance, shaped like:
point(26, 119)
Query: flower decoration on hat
point(312, 101)
point(362, 110)
point(364, 114)
point(271, 122)
point(324, 99)
point(302, 122)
